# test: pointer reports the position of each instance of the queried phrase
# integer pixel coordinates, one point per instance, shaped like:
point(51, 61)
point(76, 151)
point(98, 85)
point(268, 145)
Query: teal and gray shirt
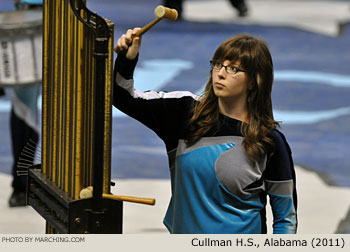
point(215, 187)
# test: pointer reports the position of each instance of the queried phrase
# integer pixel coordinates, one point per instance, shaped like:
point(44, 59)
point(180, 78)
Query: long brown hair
point(255, 58)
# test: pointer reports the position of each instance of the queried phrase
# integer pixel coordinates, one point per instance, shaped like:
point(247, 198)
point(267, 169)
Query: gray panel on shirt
point(233, 168)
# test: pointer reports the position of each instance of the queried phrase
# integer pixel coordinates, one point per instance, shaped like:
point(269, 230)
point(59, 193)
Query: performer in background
point(225, 151)
point(23, 122)
point(239, 5)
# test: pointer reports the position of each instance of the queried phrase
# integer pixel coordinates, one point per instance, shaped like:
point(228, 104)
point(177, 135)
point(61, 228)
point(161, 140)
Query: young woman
point(225, 153)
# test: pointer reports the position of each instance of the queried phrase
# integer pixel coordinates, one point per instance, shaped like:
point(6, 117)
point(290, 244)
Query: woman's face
point(229, 85)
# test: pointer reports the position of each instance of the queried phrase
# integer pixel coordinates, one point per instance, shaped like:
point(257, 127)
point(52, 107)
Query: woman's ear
point(258, 80)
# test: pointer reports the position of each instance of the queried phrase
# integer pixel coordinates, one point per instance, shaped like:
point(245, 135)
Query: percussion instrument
point(20, 47)
point(76, 122)
point(71, 186)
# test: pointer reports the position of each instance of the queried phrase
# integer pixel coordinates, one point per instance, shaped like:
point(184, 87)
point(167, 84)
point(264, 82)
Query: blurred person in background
point(239, 5)
point(23, 122)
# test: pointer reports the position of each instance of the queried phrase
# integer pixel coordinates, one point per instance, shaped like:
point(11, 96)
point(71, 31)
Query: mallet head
point(167, 13)
point(86, 193)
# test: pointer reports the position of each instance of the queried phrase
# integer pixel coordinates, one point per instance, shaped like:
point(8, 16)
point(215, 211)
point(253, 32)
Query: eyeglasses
point(229, 69)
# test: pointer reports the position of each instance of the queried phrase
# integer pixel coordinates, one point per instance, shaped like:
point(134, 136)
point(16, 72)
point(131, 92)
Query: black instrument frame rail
point(102, 33)
point(69, 216)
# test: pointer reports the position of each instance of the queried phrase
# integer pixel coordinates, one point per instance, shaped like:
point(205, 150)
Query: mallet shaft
point(147, 27)
point(147, 201)
point(88, 193)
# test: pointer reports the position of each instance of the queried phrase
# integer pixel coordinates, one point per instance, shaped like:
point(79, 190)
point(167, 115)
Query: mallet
point(88, 192)
point(160, 13)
